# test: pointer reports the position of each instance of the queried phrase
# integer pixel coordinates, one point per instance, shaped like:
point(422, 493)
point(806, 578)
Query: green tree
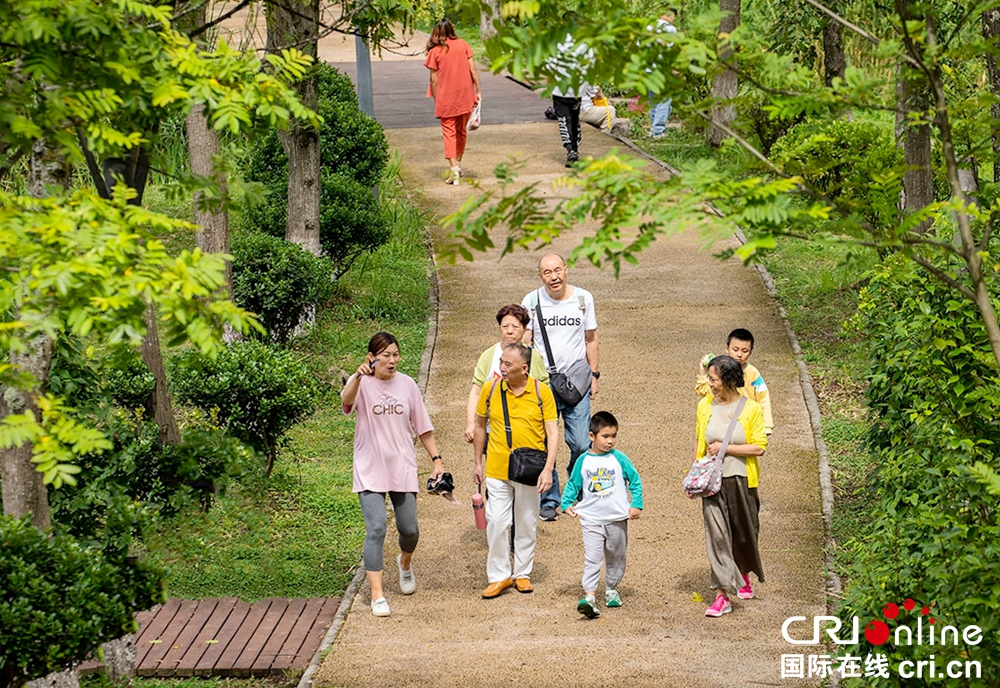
point(84, 80)
point(933, 40)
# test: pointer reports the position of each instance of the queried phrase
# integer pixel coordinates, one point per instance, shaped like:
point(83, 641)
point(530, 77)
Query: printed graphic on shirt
point(388, 405)
point(601, 481)
point(759, 384)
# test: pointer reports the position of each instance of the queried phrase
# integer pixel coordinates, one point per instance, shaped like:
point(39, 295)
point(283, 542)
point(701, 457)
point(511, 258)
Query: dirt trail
point(655, 323)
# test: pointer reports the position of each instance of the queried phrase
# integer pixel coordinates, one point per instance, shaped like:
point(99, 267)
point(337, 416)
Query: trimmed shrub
point(140, 473)
point(59, 600)
point(279, 281)
point(352, 144)
point(353, 156)
point(856, 164)
point(256, 390)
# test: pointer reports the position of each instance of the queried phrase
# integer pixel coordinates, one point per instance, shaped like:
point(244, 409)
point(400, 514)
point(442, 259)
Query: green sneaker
point(588, 607)
point(612, 598)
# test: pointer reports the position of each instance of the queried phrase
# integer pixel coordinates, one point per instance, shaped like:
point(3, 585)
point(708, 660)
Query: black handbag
point(526, 464)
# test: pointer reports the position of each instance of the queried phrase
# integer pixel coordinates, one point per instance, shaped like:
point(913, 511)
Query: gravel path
point(655, 323)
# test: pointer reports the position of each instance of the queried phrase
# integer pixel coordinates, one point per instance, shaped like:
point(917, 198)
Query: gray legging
point(373, 509)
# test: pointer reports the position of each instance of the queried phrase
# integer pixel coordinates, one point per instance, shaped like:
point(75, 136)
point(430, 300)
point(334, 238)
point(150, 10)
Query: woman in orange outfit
point(455, 89)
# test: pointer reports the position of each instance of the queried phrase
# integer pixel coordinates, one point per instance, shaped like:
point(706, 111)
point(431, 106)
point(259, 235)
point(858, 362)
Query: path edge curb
point(833, 581)
point(347, 601)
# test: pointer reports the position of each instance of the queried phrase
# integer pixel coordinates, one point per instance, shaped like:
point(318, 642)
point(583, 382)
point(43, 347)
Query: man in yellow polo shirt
point(533, 424)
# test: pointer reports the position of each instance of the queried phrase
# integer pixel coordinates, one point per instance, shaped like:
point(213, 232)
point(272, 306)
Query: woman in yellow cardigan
point(731, 523)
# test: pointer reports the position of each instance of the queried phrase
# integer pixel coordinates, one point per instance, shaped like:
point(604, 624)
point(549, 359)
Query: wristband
point(436, 458)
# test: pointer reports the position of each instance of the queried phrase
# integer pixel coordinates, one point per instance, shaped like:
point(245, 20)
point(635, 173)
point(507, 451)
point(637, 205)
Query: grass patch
point(301, 535)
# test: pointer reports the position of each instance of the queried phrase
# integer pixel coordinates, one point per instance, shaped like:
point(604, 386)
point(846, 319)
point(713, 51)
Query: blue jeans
point(576, 420)
point(659, 114)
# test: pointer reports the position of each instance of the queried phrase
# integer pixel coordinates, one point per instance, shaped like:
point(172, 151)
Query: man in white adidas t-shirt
point(571, 328)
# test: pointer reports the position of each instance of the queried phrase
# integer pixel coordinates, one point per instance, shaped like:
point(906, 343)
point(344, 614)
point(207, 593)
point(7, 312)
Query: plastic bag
point(475, 119)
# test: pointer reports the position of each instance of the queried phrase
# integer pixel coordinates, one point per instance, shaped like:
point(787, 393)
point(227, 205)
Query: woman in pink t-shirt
point(455, 89)
point(390, 412)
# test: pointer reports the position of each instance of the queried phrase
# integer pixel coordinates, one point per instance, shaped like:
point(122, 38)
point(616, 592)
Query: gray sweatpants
point(608, 543)
point(373, 509)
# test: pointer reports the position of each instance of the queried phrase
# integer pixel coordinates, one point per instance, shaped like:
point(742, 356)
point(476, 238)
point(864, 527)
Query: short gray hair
point(523, 351)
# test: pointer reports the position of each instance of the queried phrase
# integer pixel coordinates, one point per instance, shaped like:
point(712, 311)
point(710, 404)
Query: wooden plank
point(213, 654)
point(255, 643)
point(224, 665)
point(207, 637)
point(143, 618)
point(185, 638)
point(319, 628)
point(91, 666)
point(288, 655)
point(151, 664)
point(152, 631)
point(262, 665)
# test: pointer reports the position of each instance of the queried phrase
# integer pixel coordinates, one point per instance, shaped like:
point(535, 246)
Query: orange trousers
point(454, 131)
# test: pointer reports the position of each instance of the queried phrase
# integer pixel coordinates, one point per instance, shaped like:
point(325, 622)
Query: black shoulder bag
point(568, 387)
point(526, 464)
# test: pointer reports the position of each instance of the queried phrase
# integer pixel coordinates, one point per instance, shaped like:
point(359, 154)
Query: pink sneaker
point(746, 592)
point(721, 606)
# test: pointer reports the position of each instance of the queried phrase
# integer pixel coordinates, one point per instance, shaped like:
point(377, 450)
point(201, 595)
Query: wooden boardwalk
point(227, 637)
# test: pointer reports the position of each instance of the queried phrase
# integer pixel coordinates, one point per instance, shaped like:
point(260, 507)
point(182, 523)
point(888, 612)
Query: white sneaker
point(380, 607)
point(407, 581)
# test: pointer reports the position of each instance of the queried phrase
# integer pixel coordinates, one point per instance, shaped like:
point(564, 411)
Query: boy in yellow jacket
point(739, 345)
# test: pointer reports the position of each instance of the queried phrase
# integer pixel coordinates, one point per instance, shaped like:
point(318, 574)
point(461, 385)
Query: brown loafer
point(494, 589)
point(523, 585)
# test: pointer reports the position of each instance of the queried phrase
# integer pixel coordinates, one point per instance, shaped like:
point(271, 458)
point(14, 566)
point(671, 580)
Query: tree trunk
point(203, 149)
point(152, 356)
point(47, 170)
point(834, 61)
point(23, 489)
point(490, 13)
point(912, 93)
point(296, 23)
point(726, 83)
point(991, 30)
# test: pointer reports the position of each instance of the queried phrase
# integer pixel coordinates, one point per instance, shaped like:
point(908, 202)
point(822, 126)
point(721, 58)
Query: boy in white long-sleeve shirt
point(611, 496)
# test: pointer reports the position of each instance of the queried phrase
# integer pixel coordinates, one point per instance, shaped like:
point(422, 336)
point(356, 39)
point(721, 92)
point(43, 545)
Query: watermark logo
point(924, 630)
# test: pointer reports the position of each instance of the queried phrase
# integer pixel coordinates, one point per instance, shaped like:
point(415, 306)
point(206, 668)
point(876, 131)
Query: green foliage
point(753, 112)
point(114, 69)
point(61, 600)
point(353, 156)
point(137, 477)
point(934, 398)
point(352, 144)
point(140, 470)
point(256, 390)
point(81, 266)
point(279, 281)
point(856, 164)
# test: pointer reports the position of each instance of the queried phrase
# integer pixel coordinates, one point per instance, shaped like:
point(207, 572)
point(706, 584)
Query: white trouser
point(505, 497)
point(601, 116)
